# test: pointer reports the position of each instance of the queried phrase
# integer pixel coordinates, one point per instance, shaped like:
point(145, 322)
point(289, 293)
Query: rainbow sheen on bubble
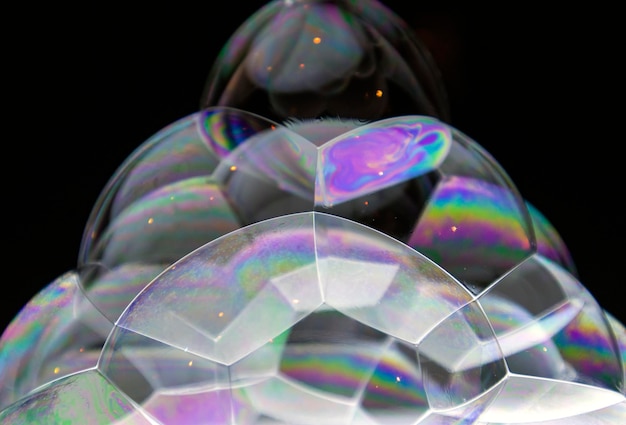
point(50, 338)
point(472, 222)
point(399, 165)
point(374, 157)
point(224, 130)
point(286, 295)
point(74, 398)
point(231, 282)
point(549, 242)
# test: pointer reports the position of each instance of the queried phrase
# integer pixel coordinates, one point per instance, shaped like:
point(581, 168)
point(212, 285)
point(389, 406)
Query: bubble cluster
point(245, 265)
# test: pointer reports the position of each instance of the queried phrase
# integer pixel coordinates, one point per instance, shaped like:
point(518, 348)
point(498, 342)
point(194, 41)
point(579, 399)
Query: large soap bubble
point(314, 272)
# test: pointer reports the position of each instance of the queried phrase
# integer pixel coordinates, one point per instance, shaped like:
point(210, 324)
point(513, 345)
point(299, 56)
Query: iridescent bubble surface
point(73, 400)
point(259, 259)
point(52, 336)
point(414, 178)
point(311, 318)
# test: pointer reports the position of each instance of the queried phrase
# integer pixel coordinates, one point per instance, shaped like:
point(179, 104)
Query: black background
point(540, 88)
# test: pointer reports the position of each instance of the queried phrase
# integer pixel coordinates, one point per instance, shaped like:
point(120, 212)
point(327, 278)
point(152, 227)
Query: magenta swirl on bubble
point(380, 155)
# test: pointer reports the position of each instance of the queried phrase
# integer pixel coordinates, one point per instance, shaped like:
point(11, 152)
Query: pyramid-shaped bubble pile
point(315, 245)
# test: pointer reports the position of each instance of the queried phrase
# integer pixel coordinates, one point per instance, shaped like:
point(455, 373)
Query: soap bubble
point(314, 59)
point(315, 245)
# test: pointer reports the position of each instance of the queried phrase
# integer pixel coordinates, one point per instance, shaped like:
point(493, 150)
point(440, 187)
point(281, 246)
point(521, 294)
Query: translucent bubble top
point(316, 58)
point(315, 246)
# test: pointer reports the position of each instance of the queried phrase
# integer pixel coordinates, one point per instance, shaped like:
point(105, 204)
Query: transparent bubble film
point(282, 256)
point(353, 59)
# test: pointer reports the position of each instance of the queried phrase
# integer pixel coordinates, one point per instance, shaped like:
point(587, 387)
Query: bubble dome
point(276, 259)
point(309, 59)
